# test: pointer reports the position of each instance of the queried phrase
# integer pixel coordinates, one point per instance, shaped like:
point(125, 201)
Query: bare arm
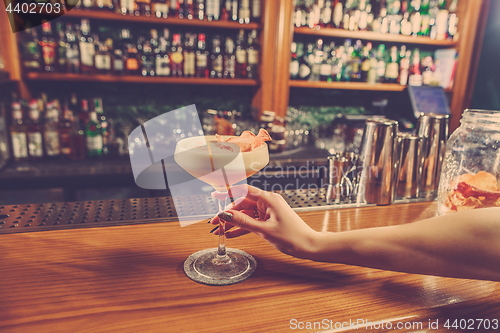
point(463, 245)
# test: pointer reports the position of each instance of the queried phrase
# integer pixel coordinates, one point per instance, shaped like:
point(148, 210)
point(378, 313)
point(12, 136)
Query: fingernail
point(212, 231)
point(210, 220)
point(226, 216)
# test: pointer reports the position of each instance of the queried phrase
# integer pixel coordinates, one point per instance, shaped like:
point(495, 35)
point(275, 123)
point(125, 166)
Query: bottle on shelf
point(49, 46)
point(78, 141)
point(72, 48)
point(148, 59)
point(142, 7)
point(229, 59)
point(305, 65)
point(216, 59)
point(189, 55)
point(199, 10)
point(176, 57)
point(252, 55)
point(65, 129)
point(18, 134)
point(84, 114)
point(30, 50)
point(163, 57)
point(392, 67)
point(256, 10)
point(132, 64)
point(415, 75)
point(337, 14)
point(62, 61)
point(104, 123)
point(50, 131)
point(244, 12)
point(87, 48)
point(160, 8)
point(93, 134)
point(241, 55)
point(127, 7)
point(294, 63)
point(102, 59)
point(212, 10)
point(34, 132)
point(452, 21)
point(325, 69)
point(365, 62)
point(202, 57)
point(317, 58)
point(107, 5)
point(356, 62)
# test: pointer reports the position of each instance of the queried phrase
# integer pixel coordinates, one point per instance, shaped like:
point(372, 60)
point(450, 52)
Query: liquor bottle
point(347, 14)
point(201, 57)
point(406, 26)
point(216, 59)
point(381, 63)
point(363, 16)
point(147, 60)
point(372, 72)
point(174, 8)
point(234, 10)
point(118, 62)
point(73, 103)
point(425, 18)
point(355, 62)
point(103, 122)
point(199, 11)
point(48, 45)
point(93, 133)
point(244, 12)
point(62, 61)
point(415, 75)
point(392, 67)
point(365, 62)
point(337, 14)
point(176, 57)
point(160, 8)
point(87, 48)
point(34, 132)
point(316, 60)
point(190, 10)
point(427, 71)
point(212, 10)
point(162, 57)
point(127, 7)
point(442, 20)
point(107, 5)
point(325, 69)
point(102, 59)
point(30, 49)
point(142, 7)
point(229, 59)
point(84, 114)
point(78, 141)
point(18, 134)
point(338, 65)
point(65, 129)
point(72, 49)
point(241, 55)
point(189, 55)
point(314, 14)
point(294, 63)
point(305, 66)
point(433, 13)
point(299, 12)
point(452, 21)
point(132, 64)
point(252, 55)
point(225, 13)
point(256, 10)
point(326, 14)
point(415, 17)
point(181, 9)
point(50, 132)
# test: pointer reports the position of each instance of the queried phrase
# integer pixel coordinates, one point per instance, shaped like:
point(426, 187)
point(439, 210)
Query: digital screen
point(426, 99)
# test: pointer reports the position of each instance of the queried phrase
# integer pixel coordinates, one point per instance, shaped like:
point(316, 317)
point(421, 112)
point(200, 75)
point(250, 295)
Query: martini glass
point(220, 165)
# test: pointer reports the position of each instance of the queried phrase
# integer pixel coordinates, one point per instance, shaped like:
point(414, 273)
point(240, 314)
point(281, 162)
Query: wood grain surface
point(130, 279)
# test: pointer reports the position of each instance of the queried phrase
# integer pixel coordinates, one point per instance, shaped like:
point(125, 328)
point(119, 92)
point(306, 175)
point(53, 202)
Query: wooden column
point(284, 38)
point(473, 15)
point(263, 98)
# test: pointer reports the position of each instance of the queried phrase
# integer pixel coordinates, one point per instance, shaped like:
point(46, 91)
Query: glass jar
point(470, 176)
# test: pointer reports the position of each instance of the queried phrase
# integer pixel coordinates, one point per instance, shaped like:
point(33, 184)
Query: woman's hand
point(269, 216)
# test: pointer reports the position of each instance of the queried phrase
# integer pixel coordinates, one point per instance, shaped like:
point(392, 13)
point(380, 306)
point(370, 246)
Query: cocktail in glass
point(221, 165)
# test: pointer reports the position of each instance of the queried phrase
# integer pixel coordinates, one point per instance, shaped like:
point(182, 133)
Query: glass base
point(202, 268)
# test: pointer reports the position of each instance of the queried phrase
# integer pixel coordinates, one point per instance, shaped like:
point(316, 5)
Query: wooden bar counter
point(130, 279)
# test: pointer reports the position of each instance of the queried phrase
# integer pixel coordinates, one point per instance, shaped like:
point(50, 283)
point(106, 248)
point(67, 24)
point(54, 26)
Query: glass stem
point(222, 256)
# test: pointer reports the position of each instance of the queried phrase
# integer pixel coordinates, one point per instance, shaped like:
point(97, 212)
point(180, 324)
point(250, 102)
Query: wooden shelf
point(103, 15)
point(373, 36)
point(347, 85)
point(137, 79)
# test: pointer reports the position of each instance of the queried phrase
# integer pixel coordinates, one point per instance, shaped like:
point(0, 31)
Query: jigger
point(340, 186)
point(433, 128)
point(379, 162)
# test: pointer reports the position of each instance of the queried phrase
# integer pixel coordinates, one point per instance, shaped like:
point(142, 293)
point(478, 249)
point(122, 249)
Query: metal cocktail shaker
point(410, 165)
point(433, 128)
point(378, 161)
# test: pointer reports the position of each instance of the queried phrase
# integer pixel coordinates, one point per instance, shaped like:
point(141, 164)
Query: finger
point(241, 220)
point(244, 204)
point(227, 227)
point(236, 233)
